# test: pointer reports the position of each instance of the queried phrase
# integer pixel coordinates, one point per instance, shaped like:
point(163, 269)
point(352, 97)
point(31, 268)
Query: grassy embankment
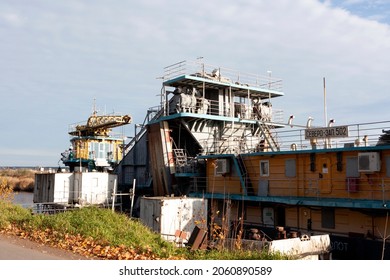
point(100, 233)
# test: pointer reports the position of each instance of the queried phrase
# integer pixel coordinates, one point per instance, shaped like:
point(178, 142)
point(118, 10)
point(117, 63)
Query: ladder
point(180, 157)
point(266, 133)
point(245, 175)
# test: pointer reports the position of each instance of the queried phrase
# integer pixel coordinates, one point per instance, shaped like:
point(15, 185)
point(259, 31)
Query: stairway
point(269, 139)
point(245, 176)
point(180, 158)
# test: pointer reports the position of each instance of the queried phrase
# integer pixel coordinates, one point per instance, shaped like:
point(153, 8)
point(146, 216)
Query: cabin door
point(324, 175)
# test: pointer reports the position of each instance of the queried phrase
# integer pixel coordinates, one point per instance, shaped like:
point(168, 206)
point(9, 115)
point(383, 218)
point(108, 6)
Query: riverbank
point(102, 234)
point(17, 179)
point(90, 232)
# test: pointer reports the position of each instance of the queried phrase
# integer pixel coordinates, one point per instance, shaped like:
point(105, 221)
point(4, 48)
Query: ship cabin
point(342, 189)
point(94, 153)
point(208, 110)
point(217, 136)
point(94, 147)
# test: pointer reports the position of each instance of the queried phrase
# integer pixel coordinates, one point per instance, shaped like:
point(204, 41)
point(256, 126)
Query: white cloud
point(12, 19)
point(59, 56)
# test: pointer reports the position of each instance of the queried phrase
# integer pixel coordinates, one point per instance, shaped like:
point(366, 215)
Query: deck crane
point(100, 125)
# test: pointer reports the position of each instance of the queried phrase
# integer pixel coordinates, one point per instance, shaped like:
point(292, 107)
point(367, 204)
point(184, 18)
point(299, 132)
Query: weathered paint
point(166, 215)
point(319, 179)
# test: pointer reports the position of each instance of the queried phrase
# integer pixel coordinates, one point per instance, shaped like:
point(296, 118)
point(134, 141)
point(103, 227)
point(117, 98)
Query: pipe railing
point(221, 74)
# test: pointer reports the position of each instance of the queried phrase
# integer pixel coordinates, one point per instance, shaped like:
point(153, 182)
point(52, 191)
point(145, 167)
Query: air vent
point(222, 167)
point(369, 162)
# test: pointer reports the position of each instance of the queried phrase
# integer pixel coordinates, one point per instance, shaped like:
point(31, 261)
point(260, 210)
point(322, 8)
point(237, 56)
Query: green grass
point(115, 229)
point(233, 255)
point(13, 214)
point(108, 228)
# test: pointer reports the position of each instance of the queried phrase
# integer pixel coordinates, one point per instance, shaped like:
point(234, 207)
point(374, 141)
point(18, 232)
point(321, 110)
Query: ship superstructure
point(205, 110)
point(93, 146)
point(217, 136)
point(94, 153)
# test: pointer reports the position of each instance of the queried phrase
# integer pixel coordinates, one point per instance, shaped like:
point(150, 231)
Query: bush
point(17, 179)
point(6, 190)
point(13, 214)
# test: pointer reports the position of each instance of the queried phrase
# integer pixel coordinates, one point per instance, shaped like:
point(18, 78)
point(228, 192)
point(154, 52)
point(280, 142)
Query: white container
point(53, 187)
point(94, 187)
point(169, 215)
point(83, 188)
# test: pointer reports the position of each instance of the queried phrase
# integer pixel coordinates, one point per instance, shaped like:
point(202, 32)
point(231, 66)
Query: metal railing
point(75, 197)
point(221, 74)
point(224, 109)
point(359, 135)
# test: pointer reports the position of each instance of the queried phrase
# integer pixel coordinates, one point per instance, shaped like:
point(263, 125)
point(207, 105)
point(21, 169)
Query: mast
point(325, 113)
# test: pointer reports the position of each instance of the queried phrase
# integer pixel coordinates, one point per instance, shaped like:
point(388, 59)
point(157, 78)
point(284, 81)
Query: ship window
point(95, 150)
point(264, 168)
point(101, 150)
point(106, 150)
point(290, 168)
point(90, 150)
point(328, 218)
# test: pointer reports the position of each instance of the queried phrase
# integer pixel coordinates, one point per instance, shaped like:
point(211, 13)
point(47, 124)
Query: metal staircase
point(180, 158)
point(269, 137)
point(245, 175)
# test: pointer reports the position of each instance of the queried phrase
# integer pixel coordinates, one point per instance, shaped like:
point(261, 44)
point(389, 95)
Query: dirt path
point(16, 248)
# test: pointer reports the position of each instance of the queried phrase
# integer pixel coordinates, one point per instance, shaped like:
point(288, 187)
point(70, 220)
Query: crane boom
point(100, 125)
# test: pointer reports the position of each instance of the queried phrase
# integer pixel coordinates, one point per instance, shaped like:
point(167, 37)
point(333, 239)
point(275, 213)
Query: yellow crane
point(100, 125)
point(92, 144)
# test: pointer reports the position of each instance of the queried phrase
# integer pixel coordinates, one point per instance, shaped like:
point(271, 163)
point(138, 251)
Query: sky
point(59, 58)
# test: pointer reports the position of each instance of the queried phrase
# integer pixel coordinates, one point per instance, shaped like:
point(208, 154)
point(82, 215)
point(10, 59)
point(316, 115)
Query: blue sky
point(57, 57)
point(377, 10)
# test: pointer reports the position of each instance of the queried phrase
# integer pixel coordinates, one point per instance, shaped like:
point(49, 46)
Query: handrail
point(360, 135)
point(221, 74)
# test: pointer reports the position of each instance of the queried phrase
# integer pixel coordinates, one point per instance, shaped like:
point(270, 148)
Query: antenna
point(325, 113)
point(94, 107)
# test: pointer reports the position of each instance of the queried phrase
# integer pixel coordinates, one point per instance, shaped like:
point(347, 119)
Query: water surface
point(24, 199)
